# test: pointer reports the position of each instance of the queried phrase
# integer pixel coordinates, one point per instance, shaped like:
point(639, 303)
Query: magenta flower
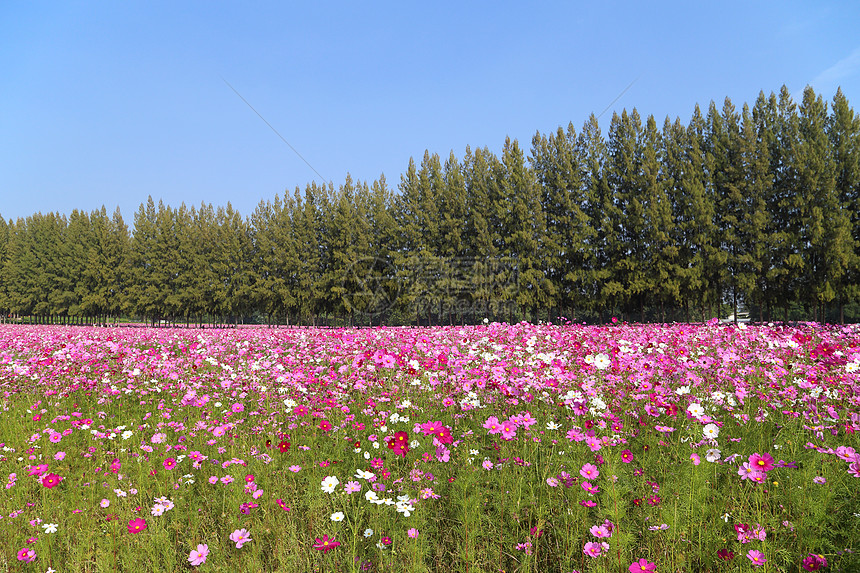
point(757, 557)
point(642, 566)
point(50, 480)
point(136, 525)
point(325, 544)
point(626, 456)
point(198, 556)
point(26, 555)
point(761, 462)
point(813, 562)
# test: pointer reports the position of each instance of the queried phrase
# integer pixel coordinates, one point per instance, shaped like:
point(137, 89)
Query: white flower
point(711, 431)
point(712, 455)
point(361, 474)
point(552, 425)
point(367, 455)
point(405, 508)
point(49, 527)
point(329, 483)
point(368, 532)
point(371, 496)
point(695, 410)
point(681, 390)
point(127, 434)
point(601, 361)
point(157, 510)
point(337, 516)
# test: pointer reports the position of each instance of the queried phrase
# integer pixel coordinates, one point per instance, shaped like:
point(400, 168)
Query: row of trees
point(757, 206)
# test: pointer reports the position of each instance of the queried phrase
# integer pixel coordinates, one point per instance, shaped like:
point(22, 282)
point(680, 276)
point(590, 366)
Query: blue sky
point(105, 103)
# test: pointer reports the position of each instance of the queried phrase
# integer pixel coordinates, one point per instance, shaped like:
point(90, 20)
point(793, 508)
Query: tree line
point(754, 208)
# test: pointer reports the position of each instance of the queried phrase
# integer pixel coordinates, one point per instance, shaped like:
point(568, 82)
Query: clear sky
point(105, 103)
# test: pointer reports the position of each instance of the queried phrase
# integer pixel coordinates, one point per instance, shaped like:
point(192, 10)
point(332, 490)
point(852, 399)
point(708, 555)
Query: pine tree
point(788, 263)
point(676, 168)
point(755, 227)
point(598, 198)
point(624, 220)
point(844, 134)
point(481, 239)
point(826, 242)
point(661, 274)
point(524, 230)
point(5, 232)
point(558, 162)
point(381, 284)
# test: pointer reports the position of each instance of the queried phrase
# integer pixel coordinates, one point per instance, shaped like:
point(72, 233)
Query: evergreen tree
point(661, 276)
point(598, 198)
point(5, 232)
point(485, 276)
point(559, 165)
point(624, 222)
point(788, 263)
point(381, 284)
point(676, 172)
point(755, 227)
point(844, 134)
point(826, 242)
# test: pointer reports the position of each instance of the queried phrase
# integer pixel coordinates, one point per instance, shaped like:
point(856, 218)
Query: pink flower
point(169, 463)
point(695, 458)
point(761, 462)
point(38, 470)
point(590, 488)
point(593, 443)
point(509, 430)
point(240, 537)
point(594, 549)
point(412, 533)
point(600, 531)
point(626, 456)
point(642, 566)
point(492, 425)
point(589, 471)
point(757, 557)
point(430, 428)
point(26, 555)
point(198, 556)
point(136, 525)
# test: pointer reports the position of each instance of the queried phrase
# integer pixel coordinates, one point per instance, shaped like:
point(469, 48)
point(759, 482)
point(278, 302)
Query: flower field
point(493, 448)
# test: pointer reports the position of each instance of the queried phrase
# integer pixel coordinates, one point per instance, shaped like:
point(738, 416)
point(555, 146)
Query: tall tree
point(826, 242)
point(844, 133)
point(624, 222)
point(524, 227)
